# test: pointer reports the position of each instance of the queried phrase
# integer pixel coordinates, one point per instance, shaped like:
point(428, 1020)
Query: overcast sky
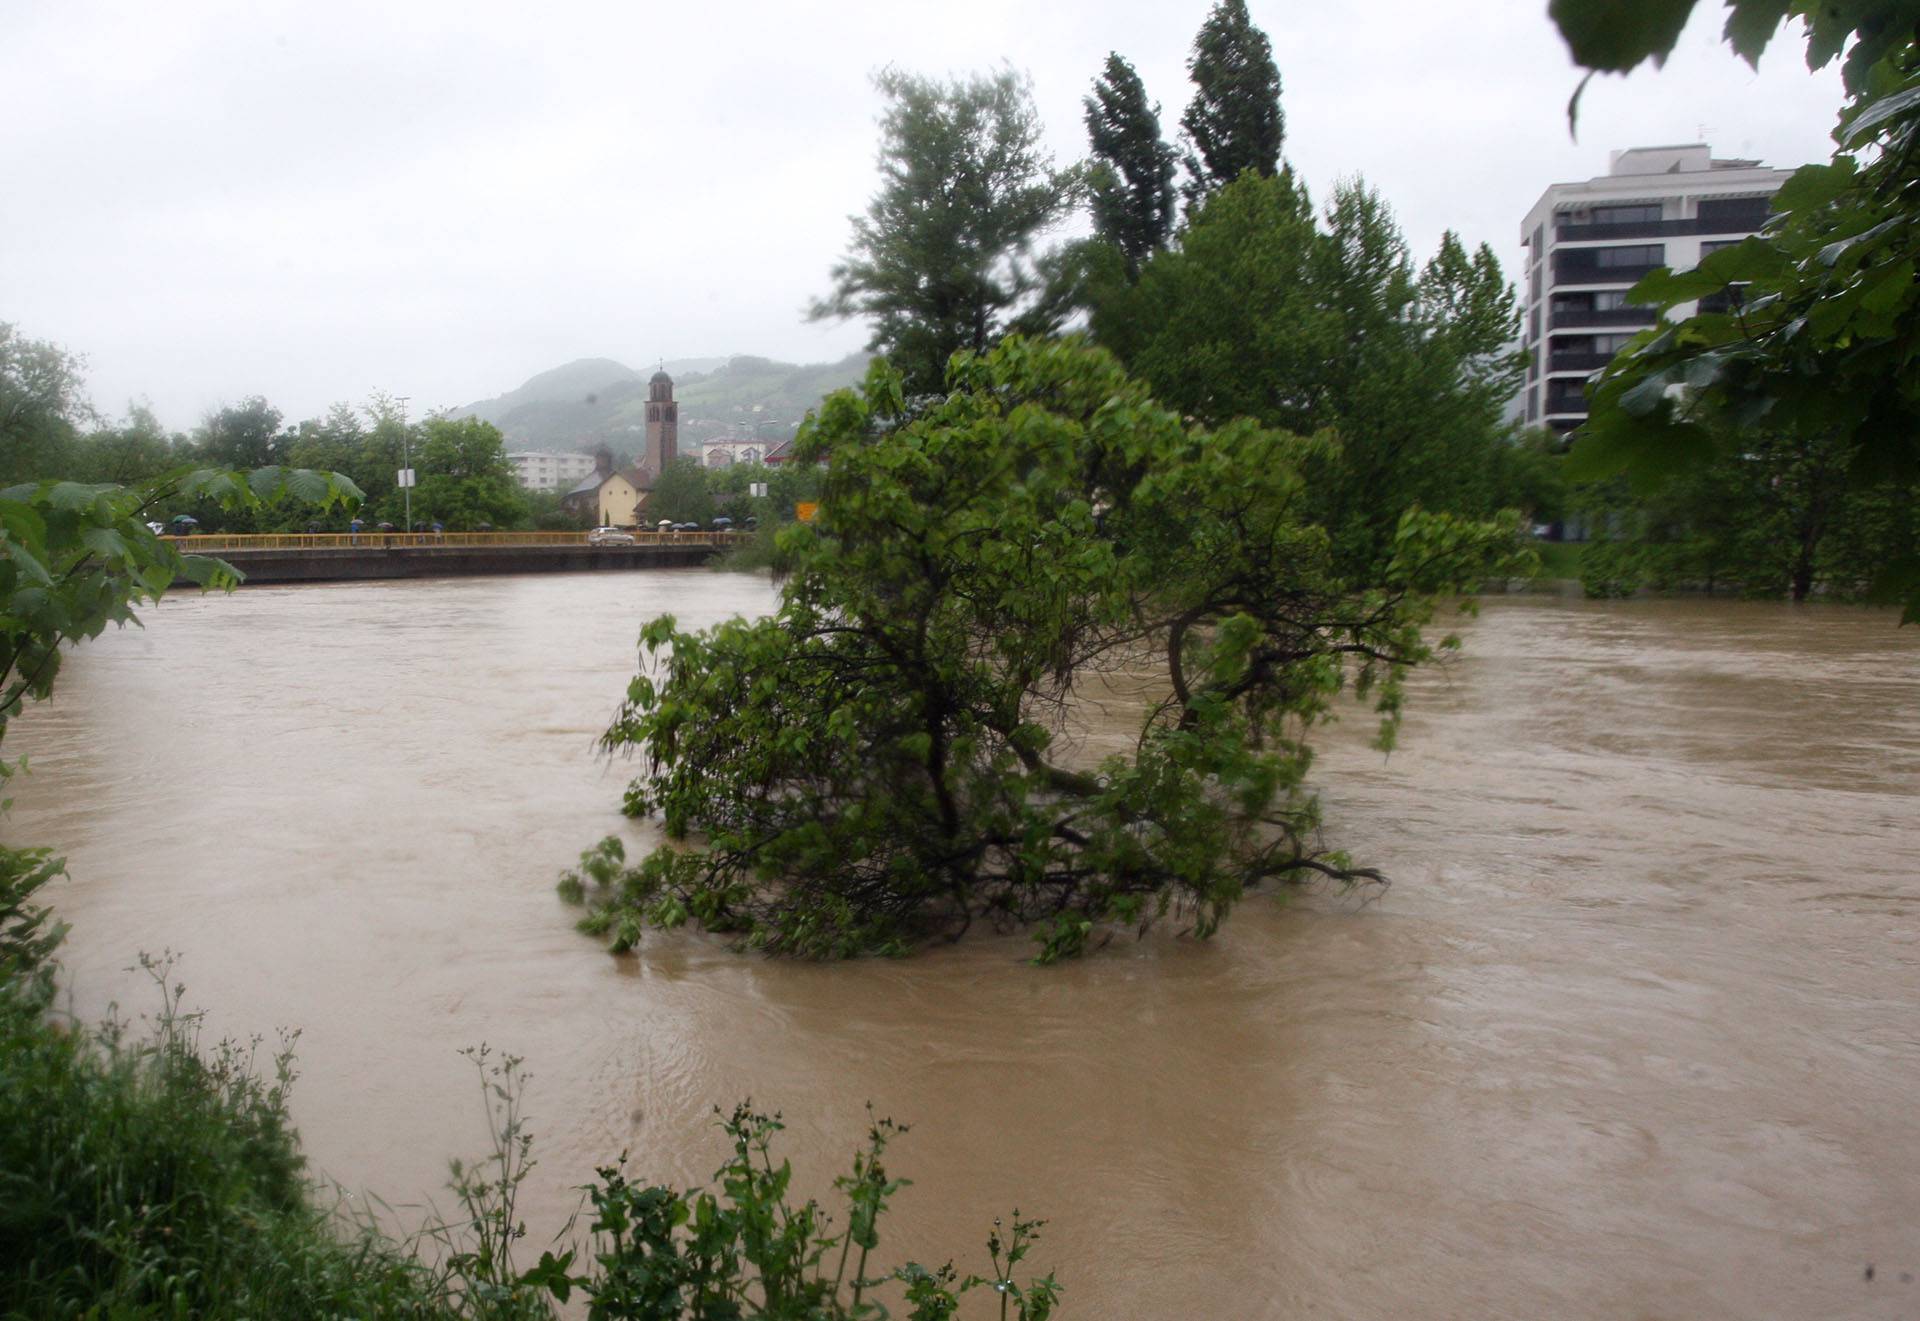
point(438, 198)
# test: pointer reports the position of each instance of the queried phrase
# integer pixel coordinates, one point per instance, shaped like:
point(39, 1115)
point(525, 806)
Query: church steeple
point(663, 425)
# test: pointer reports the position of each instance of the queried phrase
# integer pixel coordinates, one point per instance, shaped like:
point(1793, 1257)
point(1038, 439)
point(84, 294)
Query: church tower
point(663, 426)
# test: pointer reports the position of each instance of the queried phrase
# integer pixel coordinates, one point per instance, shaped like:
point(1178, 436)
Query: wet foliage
point(881, 761)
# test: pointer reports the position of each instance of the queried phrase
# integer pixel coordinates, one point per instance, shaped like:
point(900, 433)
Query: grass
point(144, 1175)
point(141, 1177)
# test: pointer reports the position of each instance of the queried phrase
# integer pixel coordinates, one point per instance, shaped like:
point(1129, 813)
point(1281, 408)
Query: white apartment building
point(1588, 243)
point(538, 471)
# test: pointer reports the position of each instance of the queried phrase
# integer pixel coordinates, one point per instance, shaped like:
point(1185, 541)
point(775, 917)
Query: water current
point(1635, 1033)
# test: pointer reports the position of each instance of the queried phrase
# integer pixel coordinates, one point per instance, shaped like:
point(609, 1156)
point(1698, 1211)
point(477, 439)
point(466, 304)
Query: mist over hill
point(598, 401)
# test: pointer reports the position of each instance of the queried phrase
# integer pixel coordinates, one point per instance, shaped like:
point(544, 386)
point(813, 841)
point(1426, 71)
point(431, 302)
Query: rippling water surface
point(1636, 1033)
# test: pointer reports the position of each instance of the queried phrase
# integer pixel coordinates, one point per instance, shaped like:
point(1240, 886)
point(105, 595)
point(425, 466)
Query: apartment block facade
point(1588, 243)
point(539, 471)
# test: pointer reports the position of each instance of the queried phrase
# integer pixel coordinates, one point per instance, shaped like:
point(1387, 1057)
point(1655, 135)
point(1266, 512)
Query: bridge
point(282, 557)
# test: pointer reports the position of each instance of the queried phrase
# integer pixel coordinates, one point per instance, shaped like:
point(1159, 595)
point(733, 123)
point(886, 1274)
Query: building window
point(1609, 300)
point(1533, 324)
point(1715, 245)
point(1533, 284)
point(1610, 344)
point(1639, 214)
point(1642, 254)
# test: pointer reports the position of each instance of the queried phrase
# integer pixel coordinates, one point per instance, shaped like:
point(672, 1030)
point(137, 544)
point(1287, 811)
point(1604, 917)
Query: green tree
point(1820, 340)
point(1259, 312)
point(242, 436)
point(1234, 120)
point(943, 258)
point(137, 451)
point(1773, 514)
point(1132, 180)
point(878, 762)
point(42, 404)
point(680, 493)
point(464, 478)
point(336, 442)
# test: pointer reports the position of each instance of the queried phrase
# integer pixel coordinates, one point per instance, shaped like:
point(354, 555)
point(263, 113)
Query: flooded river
point(1636, 1032)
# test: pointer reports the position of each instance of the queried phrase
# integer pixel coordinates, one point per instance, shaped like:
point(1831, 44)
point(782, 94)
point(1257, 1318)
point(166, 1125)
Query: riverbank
point(374, 562)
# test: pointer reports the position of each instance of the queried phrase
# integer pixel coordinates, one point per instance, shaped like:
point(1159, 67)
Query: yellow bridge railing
point(215, 542)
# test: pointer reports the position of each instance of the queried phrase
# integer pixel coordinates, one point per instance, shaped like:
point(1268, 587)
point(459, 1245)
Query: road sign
point(805, 510)
point(404, 477)
point(756, 488)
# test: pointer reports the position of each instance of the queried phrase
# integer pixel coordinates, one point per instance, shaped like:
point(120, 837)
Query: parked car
point(609, 536)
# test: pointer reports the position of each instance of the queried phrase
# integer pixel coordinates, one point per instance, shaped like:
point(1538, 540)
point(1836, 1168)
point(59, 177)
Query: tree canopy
point(886, 758)
point(42, 403)
point(943, 259)
point(465, 480)
point(1234, 120)
point(1261, 311)
point(1132, 182)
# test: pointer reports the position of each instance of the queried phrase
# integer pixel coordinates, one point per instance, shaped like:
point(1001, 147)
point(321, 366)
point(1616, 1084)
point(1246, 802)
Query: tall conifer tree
point(1234, 120)
point(1133, 188)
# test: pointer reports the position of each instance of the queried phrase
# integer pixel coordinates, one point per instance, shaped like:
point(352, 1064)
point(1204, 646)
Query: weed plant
point(146, 1175)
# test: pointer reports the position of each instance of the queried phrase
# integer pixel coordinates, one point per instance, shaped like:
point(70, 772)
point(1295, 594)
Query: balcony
point(1745, 223)
point(1566, 401)
point(1573, 318)
point(1566, 273)
point(1633, 229)
point(1577, 362)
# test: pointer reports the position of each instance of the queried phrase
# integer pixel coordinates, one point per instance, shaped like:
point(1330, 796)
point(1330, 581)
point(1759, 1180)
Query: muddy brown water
point(1636, 1033)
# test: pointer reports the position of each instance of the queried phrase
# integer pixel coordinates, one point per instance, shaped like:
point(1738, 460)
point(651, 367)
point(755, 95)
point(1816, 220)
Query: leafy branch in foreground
point(881, 761)
point(76, 557)
point(1819, 335)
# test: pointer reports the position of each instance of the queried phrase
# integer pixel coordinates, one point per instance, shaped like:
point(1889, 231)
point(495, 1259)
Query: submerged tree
point(886, 758)
point(943, 259)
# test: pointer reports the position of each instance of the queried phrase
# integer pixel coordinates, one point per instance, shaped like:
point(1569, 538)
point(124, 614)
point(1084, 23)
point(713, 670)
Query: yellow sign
point(805, 510)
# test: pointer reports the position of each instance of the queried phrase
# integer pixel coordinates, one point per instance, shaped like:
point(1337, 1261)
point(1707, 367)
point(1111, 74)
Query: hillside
point(596, 401)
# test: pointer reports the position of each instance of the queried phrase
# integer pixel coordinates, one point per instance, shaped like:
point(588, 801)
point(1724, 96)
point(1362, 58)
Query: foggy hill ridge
point(593, 401)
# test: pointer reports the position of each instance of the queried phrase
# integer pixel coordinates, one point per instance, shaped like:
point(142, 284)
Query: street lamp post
point(406, 460)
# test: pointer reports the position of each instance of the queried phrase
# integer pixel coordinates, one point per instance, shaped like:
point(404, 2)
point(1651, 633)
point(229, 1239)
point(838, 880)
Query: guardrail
point(210, 542)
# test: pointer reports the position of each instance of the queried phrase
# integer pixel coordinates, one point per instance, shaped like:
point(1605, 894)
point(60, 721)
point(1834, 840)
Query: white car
point(609, 536)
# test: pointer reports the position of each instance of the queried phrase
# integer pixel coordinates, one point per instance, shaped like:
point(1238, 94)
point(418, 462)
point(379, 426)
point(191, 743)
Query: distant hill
point(597, 401)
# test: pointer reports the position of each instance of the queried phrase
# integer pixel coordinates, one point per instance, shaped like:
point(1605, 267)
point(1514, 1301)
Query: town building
point(537, 471)
point(607, 497)
point(725, 451)
point(1588, 243)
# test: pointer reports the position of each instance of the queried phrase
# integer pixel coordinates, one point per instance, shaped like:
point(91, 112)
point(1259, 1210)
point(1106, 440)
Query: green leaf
point(1751, 25)
point(1617, 35)
point(1874, 114)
